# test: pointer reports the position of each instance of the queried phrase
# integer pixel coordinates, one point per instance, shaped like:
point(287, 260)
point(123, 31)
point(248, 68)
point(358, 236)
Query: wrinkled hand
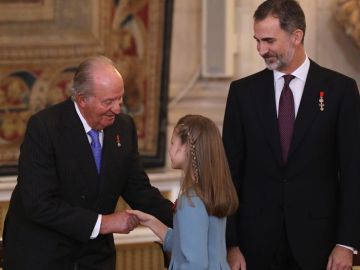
point(341, 258)
point(236, 259)
point(118, 222)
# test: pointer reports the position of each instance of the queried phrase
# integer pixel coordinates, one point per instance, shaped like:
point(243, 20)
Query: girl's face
point(177, 152)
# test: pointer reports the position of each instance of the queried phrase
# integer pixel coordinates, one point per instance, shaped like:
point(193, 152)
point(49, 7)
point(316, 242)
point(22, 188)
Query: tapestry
point(39, 53)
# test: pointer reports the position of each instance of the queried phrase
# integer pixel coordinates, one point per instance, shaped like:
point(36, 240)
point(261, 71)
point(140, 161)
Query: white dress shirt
point(296, 85)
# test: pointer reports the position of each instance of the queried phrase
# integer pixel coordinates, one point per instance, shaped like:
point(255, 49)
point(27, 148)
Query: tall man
point(77, 158)
point(292, 137)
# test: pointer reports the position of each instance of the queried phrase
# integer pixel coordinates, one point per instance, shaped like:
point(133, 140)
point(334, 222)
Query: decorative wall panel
point(40, 50)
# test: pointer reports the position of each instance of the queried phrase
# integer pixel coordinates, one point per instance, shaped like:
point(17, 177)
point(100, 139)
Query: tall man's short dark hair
point(289, 13)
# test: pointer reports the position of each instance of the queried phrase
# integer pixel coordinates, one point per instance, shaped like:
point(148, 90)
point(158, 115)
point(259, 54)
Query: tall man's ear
point(297, 36)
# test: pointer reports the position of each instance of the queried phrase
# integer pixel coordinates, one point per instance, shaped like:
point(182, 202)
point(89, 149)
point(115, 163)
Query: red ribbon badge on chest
point(117, 139)
point(322, 101)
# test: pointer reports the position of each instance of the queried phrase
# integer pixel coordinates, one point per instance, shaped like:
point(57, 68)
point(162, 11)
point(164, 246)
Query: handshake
point(126, 221)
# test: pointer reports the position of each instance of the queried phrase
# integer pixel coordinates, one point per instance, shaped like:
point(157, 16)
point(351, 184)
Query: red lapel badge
point(118, 140)
point(322, 101)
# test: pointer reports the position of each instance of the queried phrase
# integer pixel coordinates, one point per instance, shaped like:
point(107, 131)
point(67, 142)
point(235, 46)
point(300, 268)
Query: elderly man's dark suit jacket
point(316, 195)
point(59, 194)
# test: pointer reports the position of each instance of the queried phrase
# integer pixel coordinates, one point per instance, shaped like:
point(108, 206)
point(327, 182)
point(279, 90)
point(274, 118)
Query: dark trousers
point(283, 258)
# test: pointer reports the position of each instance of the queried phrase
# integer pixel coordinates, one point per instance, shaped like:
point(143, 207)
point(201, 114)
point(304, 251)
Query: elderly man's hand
point(118, 222)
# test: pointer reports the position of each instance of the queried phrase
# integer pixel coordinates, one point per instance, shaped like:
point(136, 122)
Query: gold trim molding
point(21, 11)
point(67, 29)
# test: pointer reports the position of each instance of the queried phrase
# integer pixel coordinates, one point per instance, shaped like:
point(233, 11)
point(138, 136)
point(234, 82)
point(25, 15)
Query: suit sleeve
point(349, 157)
point(140, 194)
point(40, 187)
point(193, 234)
point(233, 139)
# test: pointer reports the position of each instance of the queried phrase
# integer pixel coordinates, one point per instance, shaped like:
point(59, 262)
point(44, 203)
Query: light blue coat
point(197, 240)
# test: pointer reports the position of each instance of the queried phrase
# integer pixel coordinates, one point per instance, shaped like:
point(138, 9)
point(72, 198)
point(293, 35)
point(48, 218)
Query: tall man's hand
point(341, 258)
point(118, 222)
point(236, 259)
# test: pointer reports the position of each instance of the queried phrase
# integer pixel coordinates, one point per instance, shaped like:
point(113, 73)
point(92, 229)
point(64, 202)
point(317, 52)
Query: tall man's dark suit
point(316, 196)
point(59, 194)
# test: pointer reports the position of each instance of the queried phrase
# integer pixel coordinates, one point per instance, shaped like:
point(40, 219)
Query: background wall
point(186, 44)
point(325, 40)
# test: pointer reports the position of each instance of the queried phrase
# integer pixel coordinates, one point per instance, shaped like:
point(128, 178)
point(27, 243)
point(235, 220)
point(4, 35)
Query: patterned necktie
point(286, 117)
point(96, 147)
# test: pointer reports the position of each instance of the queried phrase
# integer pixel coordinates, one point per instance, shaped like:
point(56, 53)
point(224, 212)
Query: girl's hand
point(151, 222)
point(145, 219)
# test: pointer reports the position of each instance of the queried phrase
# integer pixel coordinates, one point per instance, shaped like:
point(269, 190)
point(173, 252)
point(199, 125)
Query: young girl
point(207, 196)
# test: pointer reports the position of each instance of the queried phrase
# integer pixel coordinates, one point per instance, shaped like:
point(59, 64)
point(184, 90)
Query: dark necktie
point(286, 117)
point(96, 148)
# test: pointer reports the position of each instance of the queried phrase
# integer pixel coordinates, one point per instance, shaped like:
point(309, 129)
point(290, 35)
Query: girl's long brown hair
point(207, 170)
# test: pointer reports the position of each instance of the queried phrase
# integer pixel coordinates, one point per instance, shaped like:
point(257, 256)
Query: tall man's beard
point(279, 61)
point(273, 64)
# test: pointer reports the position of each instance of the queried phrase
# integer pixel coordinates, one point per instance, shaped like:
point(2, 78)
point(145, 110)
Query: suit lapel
point(265, 101)
point(109, 151)
point(78, 143)
point(309, 106)
point(116, 157)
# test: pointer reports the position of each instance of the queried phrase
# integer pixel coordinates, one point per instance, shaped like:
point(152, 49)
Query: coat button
point(83, 197)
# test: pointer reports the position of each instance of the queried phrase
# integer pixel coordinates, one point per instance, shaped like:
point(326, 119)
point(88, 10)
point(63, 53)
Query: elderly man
point(77, 158)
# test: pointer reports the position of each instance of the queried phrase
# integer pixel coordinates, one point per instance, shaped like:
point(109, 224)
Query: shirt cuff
point(96, 229)
point(351, 248)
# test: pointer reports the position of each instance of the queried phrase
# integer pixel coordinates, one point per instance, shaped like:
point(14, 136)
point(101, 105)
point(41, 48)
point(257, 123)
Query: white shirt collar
point(86, 126)
point(297, 84)
point(300, 73)
point(83, 121)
